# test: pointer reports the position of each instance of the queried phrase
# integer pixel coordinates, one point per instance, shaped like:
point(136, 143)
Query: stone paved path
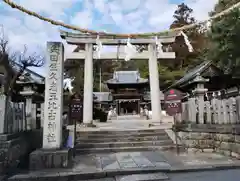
point(135, 163)
point(121, 160)
point(128, 122)
point(157, 159)
point(162, 161)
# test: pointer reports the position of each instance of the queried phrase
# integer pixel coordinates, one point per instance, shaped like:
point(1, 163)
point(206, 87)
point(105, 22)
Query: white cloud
point(148, 15)
point(130, 5)
point(49, 7)
point(201, 7)
point(121, 15)
point(100, 5)
point(83, 19)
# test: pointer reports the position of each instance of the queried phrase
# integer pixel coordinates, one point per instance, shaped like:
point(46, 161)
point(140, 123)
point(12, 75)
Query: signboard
point(76, 109)
point(173, 102)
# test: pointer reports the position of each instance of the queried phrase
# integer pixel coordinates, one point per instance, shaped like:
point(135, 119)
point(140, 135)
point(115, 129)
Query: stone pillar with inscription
point(88, 86)
point(52, 155)
point(154, 83)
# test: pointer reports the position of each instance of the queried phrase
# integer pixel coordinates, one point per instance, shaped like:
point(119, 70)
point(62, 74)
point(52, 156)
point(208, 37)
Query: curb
point(77, 175)
point(203, 168)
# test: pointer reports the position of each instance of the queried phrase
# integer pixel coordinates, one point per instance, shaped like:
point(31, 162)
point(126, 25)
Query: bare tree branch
point(33, 60)
point(9, 60)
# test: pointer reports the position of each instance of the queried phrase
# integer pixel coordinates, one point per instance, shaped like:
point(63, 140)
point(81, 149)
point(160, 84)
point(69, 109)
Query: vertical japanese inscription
point(53, 96)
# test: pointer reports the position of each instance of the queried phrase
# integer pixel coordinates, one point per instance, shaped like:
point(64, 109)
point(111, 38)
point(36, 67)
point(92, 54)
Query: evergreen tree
point(224, 38)
point(182, 16)
point(185, 59)
point(170, 71)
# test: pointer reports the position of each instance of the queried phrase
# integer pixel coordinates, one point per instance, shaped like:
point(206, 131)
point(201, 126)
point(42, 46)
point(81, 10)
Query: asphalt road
point(223, 175)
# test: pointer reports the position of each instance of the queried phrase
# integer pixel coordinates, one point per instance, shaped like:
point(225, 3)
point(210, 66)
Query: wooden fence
point(215, 111)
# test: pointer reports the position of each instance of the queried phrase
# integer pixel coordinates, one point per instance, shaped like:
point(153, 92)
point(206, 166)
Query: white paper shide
point(130, 50)
point(99, 47)
point(159, 46)
point(188, 43)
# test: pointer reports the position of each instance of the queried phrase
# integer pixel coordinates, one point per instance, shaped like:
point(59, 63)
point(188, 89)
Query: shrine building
point(127, 89)
point(213, 79)
point(129, 92)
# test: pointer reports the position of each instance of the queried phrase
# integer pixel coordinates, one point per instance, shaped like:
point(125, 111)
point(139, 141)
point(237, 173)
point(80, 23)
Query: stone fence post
point(238, 108)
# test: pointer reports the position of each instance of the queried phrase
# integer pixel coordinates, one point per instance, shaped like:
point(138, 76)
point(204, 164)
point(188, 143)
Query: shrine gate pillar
point(88, 85)
point(154, 83)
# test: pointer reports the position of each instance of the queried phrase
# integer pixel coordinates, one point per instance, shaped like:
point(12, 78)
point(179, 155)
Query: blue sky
point(109, 15)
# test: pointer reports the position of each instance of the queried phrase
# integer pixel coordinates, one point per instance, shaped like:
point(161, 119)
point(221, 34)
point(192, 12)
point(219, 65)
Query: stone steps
point(124, 144)
point(98, 136)
point(125, 149)
point(114, 132)
point(122, 139)
point(123, 134)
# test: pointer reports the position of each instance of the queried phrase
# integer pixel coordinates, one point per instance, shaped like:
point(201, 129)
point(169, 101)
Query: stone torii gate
point(52, 132)
point(53, 106)
point(88, 55)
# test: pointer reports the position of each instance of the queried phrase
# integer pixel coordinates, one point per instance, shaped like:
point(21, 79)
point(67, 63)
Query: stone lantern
point(199, 93)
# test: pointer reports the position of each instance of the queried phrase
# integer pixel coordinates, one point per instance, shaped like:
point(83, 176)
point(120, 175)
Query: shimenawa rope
point(72, 27)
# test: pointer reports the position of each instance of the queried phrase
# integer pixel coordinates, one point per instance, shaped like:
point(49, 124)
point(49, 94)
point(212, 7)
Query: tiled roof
point(192, 73)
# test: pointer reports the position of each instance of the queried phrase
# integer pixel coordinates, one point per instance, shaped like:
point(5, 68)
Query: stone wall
point(13, 151)
point(215, 138)
point(16, 148)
